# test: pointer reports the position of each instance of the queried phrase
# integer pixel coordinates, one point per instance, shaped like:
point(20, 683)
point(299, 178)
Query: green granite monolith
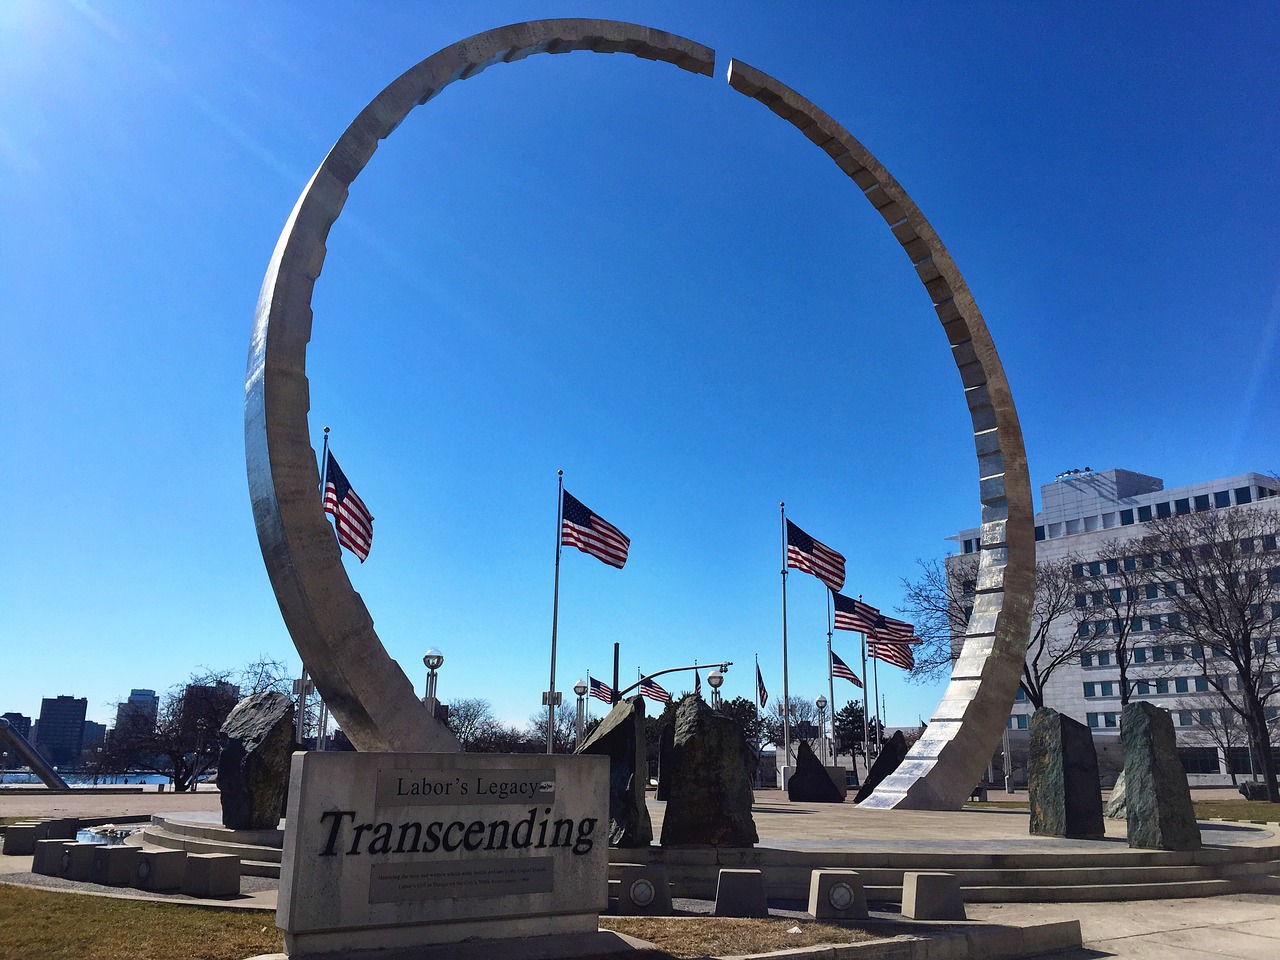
point(1157, 798)
point(1062, 778)
point(620, 737)
point(708, 779)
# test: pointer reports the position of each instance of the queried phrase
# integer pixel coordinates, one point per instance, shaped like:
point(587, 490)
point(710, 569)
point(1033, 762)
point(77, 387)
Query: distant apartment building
point(21, 725)
point(60, 731)
point(138, 713)
point(1081, 513)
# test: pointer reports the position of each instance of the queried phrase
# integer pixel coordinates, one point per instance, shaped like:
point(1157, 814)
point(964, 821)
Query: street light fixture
point(715, 678)
point(433, 660)
point(580, 688)
point(821, 704)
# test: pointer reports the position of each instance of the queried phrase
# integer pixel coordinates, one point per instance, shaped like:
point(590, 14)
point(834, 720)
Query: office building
point(1084, 513)
point(138, 714)
point(60, 731)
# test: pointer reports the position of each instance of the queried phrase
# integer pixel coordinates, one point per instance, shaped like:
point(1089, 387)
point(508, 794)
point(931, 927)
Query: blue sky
point(614, 268)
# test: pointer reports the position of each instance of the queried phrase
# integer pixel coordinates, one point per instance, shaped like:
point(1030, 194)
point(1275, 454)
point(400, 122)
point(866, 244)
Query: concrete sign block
point(47, 857)
point(837, 895)
point(211, 875)
point(388, 851)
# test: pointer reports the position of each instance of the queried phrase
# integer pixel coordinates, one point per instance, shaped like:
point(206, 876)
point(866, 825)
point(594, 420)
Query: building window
point(1184, 718)
point(1180, 685)
point(1110, 719)
point(1103, 659)
point(1202, 503)
point(1126, 518)
point(1155, 623)
point(1182, 506)
point(1022, 721)
point(1020, 696)
point(1178, 652)
point(1139, 654)
point(1093, 719)
point(1163, 511)
point(1077, 570)
point(1095, 569)
point(1142, 687)
point(1162, 686)
point(1244, 495)
point(1152, 591)
point(1202, 684)
point(1108, 688)
point(1131, 563)
point(1144, 514)
point(1136, 624)
point(1113, 566)
point(1222, 498)
point(1090, 690)
point(1040, 532)
point(1199, 759)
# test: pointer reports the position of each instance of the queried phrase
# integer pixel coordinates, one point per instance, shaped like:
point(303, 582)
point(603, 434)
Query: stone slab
point(47, 857)
point(114, 864)
point(930, 895)
point(77, 860)
point(740, 893)
point(643, 890)
point(1158, 806)
point(210, 875)
point(160, 870)
point(837, 895)
point(401, 851)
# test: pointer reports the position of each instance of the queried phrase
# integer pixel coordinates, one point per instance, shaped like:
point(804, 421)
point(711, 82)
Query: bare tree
point(1112, 592)
point(1218, 579)
point(1055, 599)
point(939, 604)
point(471, 719)
point(1220, 726)
point(566, 724)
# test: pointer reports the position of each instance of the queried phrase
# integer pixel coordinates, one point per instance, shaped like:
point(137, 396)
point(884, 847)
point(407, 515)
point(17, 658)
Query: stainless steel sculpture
point(367, 691)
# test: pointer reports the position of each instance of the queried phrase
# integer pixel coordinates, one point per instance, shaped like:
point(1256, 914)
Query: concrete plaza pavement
point(1244, 926)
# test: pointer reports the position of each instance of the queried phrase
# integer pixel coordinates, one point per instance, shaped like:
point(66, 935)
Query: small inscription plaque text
point(399, 882)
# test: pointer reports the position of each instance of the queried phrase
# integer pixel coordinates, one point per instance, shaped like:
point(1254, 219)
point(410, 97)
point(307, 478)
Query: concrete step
point(156, 837)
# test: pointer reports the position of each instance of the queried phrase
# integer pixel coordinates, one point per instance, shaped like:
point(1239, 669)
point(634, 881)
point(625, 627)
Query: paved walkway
point(1244, 926)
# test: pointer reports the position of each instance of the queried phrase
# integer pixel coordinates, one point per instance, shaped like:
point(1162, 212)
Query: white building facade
point(1081, 513)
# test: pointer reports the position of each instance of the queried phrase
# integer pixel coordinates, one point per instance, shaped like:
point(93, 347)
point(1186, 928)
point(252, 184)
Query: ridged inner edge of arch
point(371, 697)
point(942, 767)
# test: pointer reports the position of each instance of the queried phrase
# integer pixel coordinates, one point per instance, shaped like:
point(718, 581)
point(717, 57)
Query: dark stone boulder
point(255, 744)
point(892, 752)
point(1115, 809)
point(1062, 778)
point(1156, 795)
point(810, 782)
point(708, 781)
point(620, 737)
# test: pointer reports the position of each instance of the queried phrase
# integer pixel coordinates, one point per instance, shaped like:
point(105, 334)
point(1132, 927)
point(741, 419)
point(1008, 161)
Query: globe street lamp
point(434, 659)
point(715, 678)
point(580, 688)
point(821, 704)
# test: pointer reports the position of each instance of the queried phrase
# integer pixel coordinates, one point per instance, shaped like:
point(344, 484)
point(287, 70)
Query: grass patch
point(1237, 809)
point(722, 936)
point(66, 926)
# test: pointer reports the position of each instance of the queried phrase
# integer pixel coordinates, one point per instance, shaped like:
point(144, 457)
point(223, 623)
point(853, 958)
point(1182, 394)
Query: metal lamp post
point(821, 704)
point(433, 660)
point(714, 679)
point(580, 688)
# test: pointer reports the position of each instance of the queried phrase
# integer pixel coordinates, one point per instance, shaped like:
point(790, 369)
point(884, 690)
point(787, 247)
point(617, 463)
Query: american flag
point(697, 684)
point(807, 554)
point(761, 693)
point(841, 669)
point(601, 691)
point(653, 690)
point(351, 517)
point(581, 528)
point(854, 614)
point(898, 654)
point(889, 629)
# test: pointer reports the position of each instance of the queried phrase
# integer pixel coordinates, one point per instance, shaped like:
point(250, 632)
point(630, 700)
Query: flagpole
point(866, 710)
point(786, 690)
point(555, 617)
point(875, 663)
point(324, 482)
point(831, 683)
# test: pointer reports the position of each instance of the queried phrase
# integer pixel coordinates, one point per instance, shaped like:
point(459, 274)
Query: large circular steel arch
point(366, 690)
